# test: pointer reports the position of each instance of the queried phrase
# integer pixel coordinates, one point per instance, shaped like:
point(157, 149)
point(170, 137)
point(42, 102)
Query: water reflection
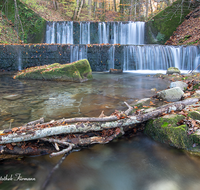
point(134, 163)
point(25, 101)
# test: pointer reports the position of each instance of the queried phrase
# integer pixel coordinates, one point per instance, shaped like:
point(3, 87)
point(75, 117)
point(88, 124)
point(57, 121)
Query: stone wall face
point(15, 57)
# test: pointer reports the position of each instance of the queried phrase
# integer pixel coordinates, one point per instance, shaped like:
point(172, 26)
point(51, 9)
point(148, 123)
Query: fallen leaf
point(9, 146)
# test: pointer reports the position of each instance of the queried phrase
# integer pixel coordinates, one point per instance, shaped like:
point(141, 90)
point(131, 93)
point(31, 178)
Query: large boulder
point(171, 95)
point(182, 85)
point(78, 71)
point(172, 70)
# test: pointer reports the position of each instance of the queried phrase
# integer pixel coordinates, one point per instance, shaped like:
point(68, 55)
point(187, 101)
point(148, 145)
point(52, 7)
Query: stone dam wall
point(101, 57)
point(17, 57)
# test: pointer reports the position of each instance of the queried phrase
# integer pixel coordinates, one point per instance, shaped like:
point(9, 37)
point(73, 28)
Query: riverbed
point(129, 163)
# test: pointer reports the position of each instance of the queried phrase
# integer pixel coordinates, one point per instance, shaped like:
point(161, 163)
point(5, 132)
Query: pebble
point(12, 97)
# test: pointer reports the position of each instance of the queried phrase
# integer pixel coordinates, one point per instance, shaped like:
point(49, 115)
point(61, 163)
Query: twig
point(130, 108)
point(18, 136)
point(60, 142)
point(44, 186)
point(194, 69)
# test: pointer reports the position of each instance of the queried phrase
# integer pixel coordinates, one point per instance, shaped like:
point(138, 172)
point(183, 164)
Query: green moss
point(165, 23)
point(78, 71)
point(33, 24)
point(194, 115)
point(184, 39)
point(165, 130)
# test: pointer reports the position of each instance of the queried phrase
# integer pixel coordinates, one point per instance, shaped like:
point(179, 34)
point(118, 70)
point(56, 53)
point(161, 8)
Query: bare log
point(17, 136)
point(38, 148)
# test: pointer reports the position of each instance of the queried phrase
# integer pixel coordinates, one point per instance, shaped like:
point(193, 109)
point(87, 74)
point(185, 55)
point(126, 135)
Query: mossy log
point(79, 71)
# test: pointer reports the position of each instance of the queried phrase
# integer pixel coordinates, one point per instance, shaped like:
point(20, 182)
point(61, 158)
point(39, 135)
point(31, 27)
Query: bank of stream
point(128, 163)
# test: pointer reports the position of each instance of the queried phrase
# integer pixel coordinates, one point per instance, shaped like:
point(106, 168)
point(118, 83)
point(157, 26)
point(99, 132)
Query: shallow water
point(136, 163)
point(54, 100)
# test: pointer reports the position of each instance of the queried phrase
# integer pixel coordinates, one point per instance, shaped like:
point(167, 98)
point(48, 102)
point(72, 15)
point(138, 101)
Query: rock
point(116, 71)
point(172, 70)
point(79, 71)
point(182, 85)
point(171, 95)
point(153, 89)
point(165, 130)
point(12, 97)
point(196, 94)
point(194, 115)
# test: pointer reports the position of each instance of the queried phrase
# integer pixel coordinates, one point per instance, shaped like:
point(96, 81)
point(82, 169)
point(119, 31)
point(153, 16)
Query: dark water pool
point(134, 163)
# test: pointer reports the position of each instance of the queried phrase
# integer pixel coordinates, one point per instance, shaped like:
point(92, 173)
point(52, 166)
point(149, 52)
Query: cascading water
point(59, 32)
point(103, 32)
point(158, 57)
point(19, 60)
point(78, 52)
point(111, 61)
point(108, 32)
point(136, 56)
point(85, 33)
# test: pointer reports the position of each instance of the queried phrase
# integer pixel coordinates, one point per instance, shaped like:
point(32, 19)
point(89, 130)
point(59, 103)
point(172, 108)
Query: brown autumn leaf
point(190, 87)
point(9, 146)
point(15, 129)
point(151, 103)
point(183, 113)
point(193, 123)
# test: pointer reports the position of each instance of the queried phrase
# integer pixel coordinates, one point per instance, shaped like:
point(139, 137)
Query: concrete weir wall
point(17, 57)
point(101, 57)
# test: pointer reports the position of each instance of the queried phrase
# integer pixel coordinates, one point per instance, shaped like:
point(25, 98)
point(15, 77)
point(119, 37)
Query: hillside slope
point(7, 32)
point(188, 33)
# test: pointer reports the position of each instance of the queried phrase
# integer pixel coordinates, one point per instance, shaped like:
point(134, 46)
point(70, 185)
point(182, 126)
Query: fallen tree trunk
point(87, 131)
point(17, 136)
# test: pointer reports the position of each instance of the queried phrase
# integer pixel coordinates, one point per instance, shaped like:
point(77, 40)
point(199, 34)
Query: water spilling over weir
point(135, 55)
point(119, 45)
point(95, 32)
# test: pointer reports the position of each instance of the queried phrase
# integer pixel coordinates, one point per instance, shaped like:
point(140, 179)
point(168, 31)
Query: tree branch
point(37, 133)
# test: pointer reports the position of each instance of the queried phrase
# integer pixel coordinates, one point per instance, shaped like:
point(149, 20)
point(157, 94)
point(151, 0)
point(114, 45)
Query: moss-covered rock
point(165, 130)
point(78, 71)
point(194, 115)
point(172, 70)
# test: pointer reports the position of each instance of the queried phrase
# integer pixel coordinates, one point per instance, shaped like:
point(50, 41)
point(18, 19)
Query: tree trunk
point(62, 127)
point(76, 10)
point(80, 8)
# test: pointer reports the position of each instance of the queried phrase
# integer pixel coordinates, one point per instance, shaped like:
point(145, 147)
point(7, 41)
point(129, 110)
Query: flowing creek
point(129, 163)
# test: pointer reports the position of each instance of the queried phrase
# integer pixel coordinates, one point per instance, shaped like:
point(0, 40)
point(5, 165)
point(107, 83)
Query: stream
point(130, 163)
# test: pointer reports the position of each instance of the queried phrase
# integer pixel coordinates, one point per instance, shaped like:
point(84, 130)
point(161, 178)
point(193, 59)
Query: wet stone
point(36, 102)
point(20, 110)
point(12, 97)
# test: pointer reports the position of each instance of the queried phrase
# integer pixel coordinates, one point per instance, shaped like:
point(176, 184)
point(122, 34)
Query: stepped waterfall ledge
point(95, 32)
point(102, 57)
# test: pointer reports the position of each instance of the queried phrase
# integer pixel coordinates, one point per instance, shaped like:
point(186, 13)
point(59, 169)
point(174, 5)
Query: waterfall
point(91, 33)
point(84, 33)
point(128, 33)
point(59, 32)
point(158, 57)
point(78, 52)
point(19, 60)
point(111, 60)
point(103, 32)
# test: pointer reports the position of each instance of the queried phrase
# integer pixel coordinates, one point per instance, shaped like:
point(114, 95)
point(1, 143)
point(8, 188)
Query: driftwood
point(69, 134)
